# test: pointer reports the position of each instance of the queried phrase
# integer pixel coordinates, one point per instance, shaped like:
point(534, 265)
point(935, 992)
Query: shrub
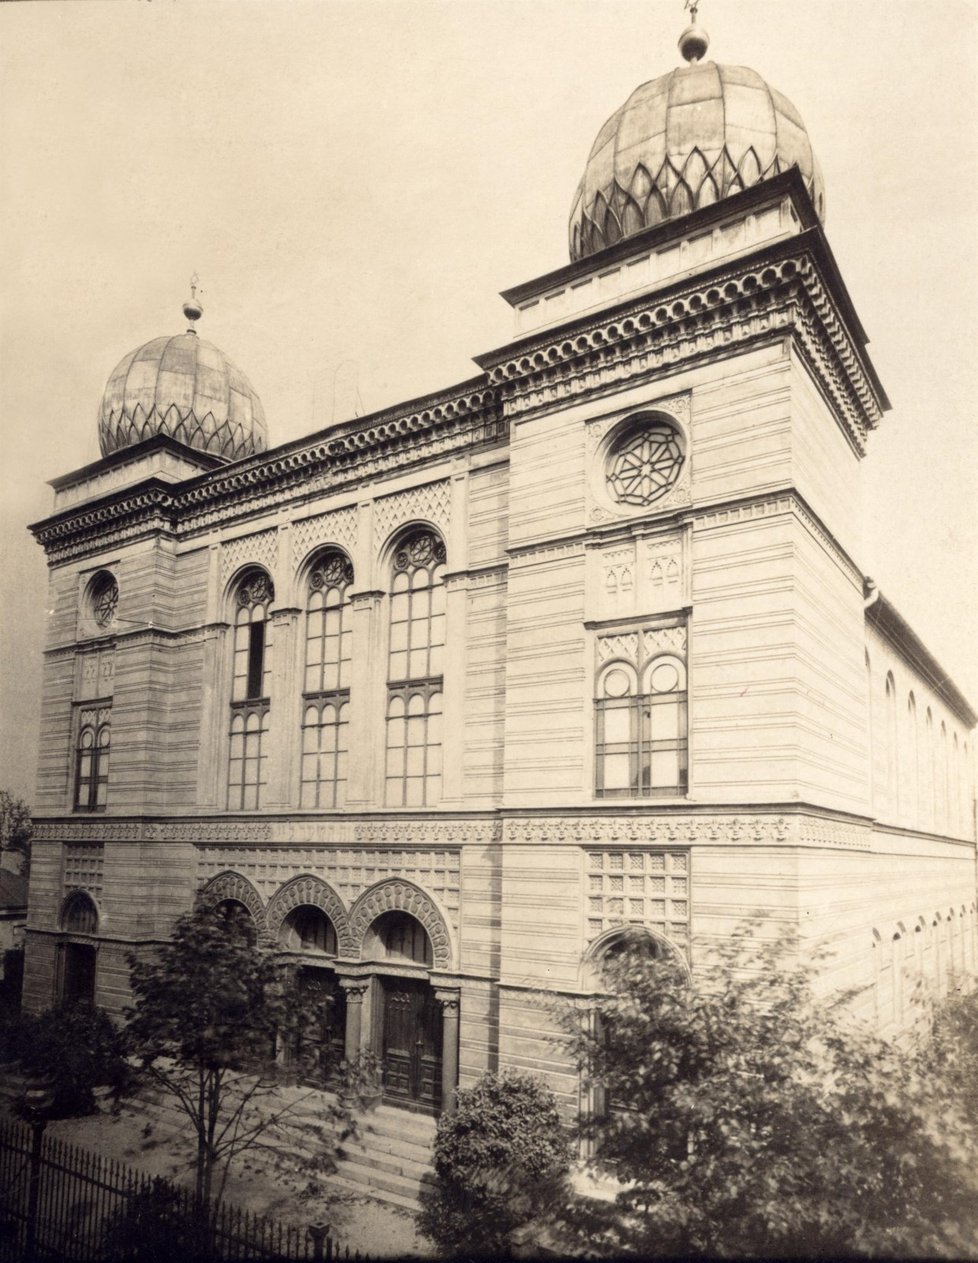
point(501, 1160)
point(76, 1049)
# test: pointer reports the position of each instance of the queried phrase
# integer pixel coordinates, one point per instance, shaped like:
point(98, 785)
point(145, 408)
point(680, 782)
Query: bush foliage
point(746, 1117)
point(500, 1160)
point(75, 1048)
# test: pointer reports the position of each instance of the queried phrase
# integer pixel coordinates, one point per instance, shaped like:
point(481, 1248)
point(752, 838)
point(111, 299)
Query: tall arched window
point(414, 674)
point(250, 688)
point(913, 777)
point(954, 787)
point(92, 759)
point(326, 684)
point(930, 785)
point(892, 791)
point(940, 774)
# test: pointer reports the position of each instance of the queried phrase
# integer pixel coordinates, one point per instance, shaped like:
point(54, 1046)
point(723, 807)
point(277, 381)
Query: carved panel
point(621, 645)
point(638, 888)
point(661, 572)
point(403, 897)
point(430, 503)
point(309, 890)
point(259, 549)
point(96, 673)
point(338, 527)
point(83, 866)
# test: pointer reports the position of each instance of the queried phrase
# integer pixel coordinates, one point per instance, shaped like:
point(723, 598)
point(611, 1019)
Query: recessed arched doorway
point(409, 1022)
point(77, 964)
point(315, 1046)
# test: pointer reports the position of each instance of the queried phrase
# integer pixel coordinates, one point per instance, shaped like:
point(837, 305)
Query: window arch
point(250, 688)
point(79, 914)
point(307, 928)
point(92, 758)
point(326, 682)
point(415, 671)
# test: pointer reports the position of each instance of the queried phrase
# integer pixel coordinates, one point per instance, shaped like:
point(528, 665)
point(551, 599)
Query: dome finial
point(192, 309)
point(694, 41)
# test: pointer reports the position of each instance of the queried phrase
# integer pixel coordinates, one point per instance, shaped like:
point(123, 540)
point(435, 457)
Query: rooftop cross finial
point(694, 41)
point(192, 309)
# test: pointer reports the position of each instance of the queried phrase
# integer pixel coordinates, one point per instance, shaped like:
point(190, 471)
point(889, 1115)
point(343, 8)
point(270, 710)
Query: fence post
point(38, 1100)
point(319, 1233)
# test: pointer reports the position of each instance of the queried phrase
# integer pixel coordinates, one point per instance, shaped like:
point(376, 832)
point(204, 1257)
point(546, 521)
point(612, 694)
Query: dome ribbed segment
point(685, 140)
point(187, 389)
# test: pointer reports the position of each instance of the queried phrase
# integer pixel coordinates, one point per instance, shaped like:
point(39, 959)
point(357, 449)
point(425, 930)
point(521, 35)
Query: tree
point(16, 828)
point(204, 1025)
point(501, 1159)
point(745, 1117)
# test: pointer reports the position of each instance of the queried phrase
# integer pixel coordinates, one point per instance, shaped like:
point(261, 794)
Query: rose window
point(105, 599)
point(645, 465)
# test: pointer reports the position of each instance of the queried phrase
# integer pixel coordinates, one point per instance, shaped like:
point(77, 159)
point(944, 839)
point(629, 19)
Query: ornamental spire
point(694, 41)
point(192, 309)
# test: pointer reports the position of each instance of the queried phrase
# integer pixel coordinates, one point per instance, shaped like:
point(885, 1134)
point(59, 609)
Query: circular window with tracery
point(104, 598)
point(645, 464)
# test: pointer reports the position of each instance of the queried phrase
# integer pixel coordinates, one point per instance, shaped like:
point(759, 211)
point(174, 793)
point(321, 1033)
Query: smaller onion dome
point(185, 388)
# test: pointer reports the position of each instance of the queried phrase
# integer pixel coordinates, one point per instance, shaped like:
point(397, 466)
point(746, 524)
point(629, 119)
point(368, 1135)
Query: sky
point(354, 181)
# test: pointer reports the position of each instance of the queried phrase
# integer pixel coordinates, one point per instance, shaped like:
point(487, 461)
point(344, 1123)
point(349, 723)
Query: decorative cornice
point(231, 831)
point(458, 419)
point(779, 290)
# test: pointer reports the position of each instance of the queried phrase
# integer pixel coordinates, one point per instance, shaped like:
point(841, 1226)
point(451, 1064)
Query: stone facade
point(580, 643)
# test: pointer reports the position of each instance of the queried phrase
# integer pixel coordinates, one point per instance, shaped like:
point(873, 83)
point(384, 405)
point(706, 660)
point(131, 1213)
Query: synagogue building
point(449, 697)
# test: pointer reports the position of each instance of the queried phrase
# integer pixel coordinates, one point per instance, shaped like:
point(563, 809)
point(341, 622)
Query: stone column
point(285, 709)
point(356, 989)
point(450, 1003)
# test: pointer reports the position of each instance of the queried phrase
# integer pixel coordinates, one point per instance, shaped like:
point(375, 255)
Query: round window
point(617, 684)
point(104, 598)
point(645, 463)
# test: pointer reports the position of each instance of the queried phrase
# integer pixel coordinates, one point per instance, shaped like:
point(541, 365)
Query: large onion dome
point(185, 388)
point(698, 134)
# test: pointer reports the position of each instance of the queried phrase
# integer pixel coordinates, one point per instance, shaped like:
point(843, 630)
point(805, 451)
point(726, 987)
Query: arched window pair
point(640, 738)
point(415, 667)
point(92, 758)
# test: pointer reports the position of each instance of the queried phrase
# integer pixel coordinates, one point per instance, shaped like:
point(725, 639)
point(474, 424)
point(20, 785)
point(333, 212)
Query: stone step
point(390, 1198)
point(415, 1168)
point(398, 1147)
point(369, 1177)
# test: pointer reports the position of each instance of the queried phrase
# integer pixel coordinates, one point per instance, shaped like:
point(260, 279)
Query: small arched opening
point(77, 954)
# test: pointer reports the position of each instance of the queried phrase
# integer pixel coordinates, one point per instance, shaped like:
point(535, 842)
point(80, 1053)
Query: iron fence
point(60, 1202)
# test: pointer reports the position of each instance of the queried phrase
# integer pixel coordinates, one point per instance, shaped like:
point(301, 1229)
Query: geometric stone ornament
point(230, 885)
point(403, 896)
point(309, 891)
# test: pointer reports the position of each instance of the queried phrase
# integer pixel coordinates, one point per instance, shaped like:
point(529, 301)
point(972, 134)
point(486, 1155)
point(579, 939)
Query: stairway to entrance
point(390, 1158)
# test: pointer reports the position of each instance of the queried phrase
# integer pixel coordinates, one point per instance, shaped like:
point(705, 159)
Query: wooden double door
point(411, 1042)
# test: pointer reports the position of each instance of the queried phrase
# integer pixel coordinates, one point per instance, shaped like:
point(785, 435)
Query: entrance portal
point(412, 1042)
point(318, 1048)
point(78, 974)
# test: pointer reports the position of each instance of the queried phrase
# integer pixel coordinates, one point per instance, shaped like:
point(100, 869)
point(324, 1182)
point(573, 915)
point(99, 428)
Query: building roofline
point(883, 616)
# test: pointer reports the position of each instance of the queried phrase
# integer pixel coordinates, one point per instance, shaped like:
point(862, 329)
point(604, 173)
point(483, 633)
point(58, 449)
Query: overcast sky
point(355, 180)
